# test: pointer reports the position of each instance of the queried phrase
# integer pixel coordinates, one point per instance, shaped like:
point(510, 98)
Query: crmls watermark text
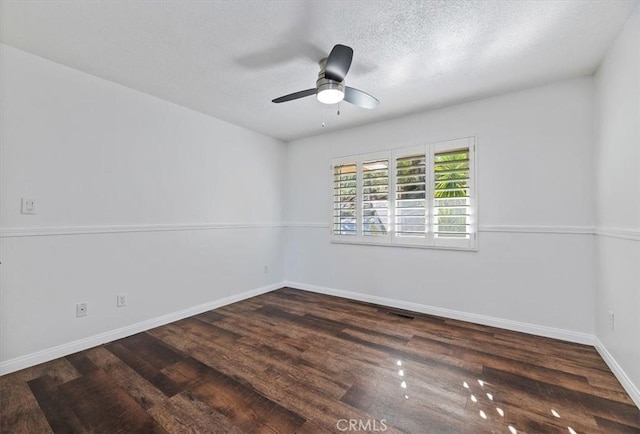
point(368, 425)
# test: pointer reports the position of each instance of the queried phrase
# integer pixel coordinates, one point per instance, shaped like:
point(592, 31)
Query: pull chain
point(323, 110)
point(338, 109)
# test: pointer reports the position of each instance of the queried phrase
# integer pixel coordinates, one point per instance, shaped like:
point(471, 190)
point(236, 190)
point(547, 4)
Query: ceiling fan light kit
point(329, 91)
point(330, 87)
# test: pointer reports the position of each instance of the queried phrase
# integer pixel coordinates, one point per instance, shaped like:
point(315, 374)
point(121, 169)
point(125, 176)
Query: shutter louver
point(375, 197)
point(410, 200)
point(345, 195)
point(451, 194)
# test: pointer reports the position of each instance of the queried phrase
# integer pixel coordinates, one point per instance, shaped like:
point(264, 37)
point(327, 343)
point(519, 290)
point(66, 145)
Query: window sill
point(410, 246)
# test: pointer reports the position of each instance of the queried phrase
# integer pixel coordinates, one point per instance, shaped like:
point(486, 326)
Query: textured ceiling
point(229, 59)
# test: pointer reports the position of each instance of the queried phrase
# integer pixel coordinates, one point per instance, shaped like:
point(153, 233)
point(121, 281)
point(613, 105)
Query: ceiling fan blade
point(360, 98)
point(295, 95)
point(338, 63)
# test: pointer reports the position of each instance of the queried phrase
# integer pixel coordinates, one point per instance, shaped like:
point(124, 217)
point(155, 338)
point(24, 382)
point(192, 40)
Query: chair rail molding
point(109, 229)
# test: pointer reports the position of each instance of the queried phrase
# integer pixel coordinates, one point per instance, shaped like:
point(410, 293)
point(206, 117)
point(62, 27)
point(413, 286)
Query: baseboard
point(48, 354)
point(534, 329)
point(617, 370)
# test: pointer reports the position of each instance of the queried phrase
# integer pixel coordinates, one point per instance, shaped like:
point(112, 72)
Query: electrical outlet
point(122, 300)
point(82, 309)
point(266, 269)
point(28, 206)
point(612, 321)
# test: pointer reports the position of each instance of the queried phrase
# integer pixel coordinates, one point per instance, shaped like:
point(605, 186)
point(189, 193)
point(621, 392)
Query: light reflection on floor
point(512, 429)
point(403, 384)
point(481, 391)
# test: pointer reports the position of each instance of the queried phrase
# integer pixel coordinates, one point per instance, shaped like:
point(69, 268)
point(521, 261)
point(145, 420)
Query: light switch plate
point(28, 206)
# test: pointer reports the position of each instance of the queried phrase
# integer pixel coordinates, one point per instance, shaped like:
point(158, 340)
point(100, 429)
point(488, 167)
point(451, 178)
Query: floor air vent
point(400, 314)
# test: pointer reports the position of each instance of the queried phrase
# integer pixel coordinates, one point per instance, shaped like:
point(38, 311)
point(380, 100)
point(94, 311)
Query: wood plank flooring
point(297, 362)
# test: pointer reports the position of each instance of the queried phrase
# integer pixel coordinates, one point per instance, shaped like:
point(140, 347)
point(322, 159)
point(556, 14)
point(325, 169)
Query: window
point(419, 196)
point(344, 199)
point(411, 205)
point(375, 198)
point(452, 196)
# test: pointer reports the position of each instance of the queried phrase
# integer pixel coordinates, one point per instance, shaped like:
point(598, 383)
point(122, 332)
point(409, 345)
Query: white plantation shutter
point(419, 196)
point(452, 185)
point(375, 198)
point(345, 194)
point(410, 207)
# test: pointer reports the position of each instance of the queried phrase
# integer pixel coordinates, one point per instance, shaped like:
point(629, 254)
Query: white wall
point(176, 208)
point(617, 190)
point(534, 164)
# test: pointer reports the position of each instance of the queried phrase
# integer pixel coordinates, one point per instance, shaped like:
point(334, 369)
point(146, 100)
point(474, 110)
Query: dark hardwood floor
point(293, 361)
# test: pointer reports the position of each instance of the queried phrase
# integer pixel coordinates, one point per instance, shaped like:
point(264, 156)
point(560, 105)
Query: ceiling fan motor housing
point(325, 83)
point(328, 87)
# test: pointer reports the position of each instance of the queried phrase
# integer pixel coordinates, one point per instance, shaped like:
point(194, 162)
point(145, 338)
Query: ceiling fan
point(330, 87)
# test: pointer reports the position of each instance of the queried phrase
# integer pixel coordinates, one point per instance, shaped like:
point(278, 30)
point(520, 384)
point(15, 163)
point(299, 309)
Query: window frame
point(429, 241)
